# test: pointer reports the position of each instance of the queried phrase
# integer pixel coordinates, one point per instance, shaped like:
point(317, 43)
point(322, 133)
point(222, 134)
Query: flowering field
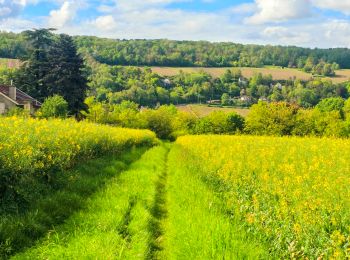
point(291, 194)
point(30, 147)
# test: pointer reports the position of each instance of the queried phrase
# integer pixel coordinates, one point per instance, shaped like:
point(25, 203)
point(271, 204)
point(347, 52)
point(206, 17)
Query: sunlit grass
point(116, 221)
point(199, 225)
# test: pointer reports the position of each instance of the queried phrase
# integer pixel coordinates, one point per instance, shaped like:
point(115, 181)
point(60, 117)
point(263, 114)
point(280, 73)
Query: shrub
point(219, 122)
point(55, 107)
point(331, 104)
point(271, 119)
point(160, 120)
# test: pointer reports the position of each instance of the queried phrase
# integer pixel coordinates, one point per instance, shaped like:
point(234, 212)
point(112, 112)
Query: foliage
point(317, 123)
point(271, 119)
point(54, 106)
point(346, 108)
point(219, 122)
point(225, 99)
point(7, 75)
point(285, 119)
point(17, 111)
point(185, 53)
point(160, 120)
point(53, 68)
point(113, 84)
point(331, 104)
point(205, 54)
point(280, 190)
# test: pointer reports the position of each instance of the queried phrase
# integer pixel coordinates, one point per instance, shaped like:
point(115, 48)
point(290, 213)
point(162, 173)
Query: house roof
point(21, 97)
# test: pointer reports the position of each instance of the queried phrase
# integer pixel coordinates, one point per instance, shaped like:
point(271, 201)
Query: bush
point(316, 123)
point(219, 122)
point(160, 120)
point(271, 119)
point(53, 107)
point(17, 111)
point(331, 104)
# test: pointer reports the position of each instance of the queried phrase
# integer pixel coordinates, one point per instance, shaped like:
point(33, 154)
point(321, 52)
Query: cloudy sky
point(310, 23)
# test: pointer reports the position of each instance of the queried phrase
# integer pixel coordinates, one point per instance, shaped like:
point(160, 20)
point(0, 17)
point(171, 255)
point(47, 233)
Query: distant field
point(276, 72)
point(204, 110)
point(9, 63)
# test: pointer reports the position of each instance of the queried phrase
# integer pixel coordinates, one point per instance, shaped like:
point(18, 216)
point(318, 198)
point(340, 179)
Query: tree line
point(186, 53)
point(331, 118)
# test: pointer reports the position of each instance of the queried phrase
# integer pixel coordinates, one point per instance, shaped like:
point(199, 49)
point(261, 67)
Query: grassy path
point(157, 209)
point(116, 223)
point(198, 225)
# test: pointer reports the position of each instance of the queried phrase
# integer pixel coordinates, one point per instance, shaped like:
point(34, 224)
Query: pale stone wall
point(8, 103)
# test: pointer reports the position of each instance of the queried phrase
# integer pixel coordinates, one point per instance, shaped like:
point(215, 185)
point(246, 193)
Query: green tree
point(271, 119)
point(346, 108)
point(160, 120)
point(227, 77)
point(54, 106)
point(331, 104)
point(31, 76)
point(225, 99)
point(66, 76)
point(54, 67)
point(313, 122)
point(219, 122)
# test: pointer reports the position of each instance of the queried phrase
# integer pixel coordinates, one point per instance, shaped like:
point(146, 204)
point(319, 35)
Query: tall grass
point(115, 224)
point(70, 193)
point(198, 224)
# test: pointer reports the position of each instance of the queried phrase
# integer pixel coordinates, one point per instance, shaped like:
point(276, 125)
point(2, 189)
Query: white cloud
point(9, 8)
point(261, 22)
point(16, 24)
point(286, 36)
point(342, 6)
point(272, 11)
point(337, 33)
point(59, 18)
point(105, 23)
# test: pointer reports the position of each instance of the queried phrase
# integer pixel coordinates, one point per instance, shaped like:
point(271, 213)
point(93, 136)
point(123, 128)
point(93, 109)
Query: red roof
point(21, 97)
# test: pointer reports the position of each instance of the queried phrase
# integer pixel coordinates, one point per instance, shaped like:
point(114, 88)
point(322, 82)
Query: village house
point(11, 97)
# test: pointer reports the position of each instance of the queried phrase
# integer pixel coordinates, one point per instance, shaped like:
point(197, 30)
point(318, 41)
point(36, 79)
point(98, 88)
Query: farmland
point(9, 63)
point(291, 193)
point(277, 73)
point(204, 110)
point(234, 197)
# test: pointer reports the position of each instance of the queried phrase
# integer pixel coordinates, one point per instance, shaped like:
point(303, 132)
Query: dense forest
point(188, 53)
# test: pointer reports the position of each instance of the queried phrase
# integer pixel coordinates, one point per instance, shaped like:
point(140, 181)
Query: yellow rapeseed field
point(293, 194)
point(35, 146)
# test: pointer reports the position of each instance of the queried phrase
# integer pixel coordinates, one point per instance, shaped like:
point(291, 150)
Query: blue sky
point(309, 23)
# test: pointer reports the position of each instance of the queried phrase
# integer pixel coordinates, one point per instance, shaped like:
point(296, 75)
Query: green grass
point(120, 221)
point(198, 224)
point(157, 208)
point(53, 205)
